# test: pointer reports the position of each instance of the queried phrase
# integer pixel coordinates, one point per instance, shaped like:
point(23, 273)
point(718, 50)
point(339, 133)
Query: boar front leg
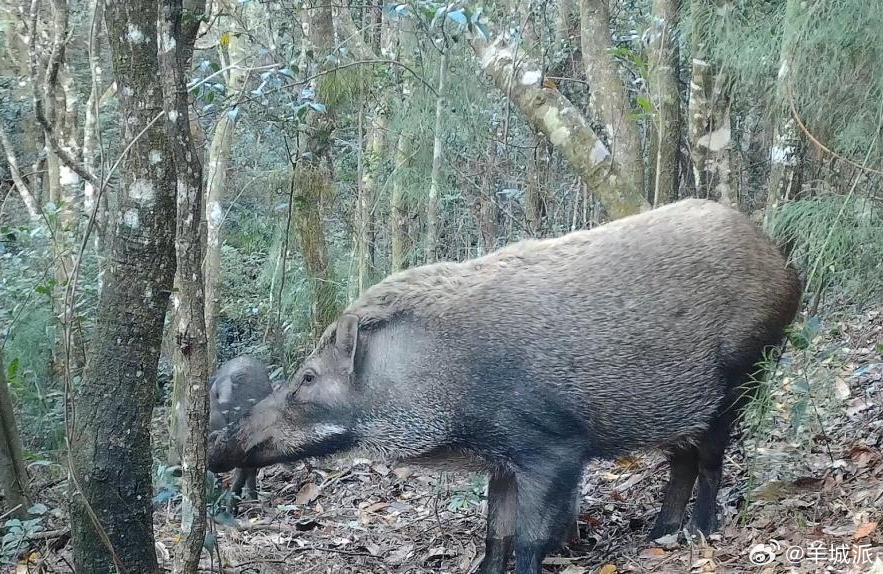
point(501, 508)
point(546, 490)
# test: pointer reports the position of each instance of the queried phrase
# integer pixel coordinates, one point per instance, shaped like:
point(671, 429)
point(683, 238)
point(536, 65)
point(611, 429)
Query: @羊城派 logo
point(761, 554)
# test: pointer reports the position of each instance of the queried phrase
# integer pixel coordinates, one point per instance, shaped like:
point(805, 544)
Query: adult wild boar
point(530, 361)
point(236, 387)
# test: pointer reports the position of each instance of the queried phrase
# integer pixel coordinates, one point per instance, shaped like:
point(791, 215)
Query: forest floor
point(802, 493)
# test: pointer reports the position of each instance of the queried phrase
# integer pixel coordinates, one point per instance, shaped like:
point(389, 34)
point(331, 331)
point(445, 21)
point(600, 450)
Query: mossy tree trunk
point(111, 486)
point(548, 111)
point(609, 100)
point(311, 179)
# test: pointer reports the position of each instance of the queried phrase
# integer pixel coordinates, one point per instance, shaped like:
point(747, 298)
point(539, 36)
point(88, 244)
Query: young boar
point(236, 387)
point(530, 361)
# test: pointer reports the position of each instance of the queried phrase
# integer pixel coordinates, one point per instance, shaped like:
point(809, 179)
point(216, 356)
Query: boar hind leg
point(684, 468)
point(501, 508)
point(711, 457)
point(546, 491)
point(250, 492)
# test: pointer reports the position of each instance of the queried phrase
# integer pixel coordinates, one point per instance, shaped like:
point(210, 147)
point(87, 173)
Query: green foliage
point(837, 241)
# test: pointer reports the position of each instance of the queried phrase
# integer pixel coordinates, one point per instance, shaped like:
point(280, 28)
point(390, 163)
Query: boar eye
point(308, 377)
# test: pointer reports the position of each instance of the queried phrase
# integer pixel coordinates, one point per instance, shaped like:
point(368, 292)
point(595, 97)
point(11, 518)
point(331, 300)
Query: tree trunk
point(111, 457)
point(24, 191)
point(311, 180)
point(13, 474)
point(432, 204)
point(375, 144)
point(548, 111)
point(534, 196)
point(787, 151)
point(90, 124)
point(177, 29)
point(217, 166)
point(709, 117)
point(609, 101)
point(665, 94)
point(399, 238)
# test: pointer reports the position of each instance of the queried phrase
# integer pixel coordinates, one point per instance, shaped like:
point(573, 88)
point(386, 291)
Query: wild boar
point(530, 361)
point(236, 387)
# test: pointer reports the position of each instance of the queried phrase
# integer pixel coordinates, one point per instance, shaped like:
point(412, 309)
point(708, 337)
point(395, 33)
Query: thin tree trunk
point(787, 151)
point(13, 474)
point(609, 101)
point(548, 111)
point(664, 92)
point(534, 196)
point(90, 123)
point(177, 29)
point(432, 204)
point(217, 166)
point(111, 456)
point(24, 191)
point(375, 143)
point(311, 180)
point(709, 117)
point(399, 239)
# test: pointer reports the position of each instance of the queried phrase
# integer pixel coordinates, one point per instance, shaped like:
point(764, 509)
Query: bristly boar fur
point(534, 359)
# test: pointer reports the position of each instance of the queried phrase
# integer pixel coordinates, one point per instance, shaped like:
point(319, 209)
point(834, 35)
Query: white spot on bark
point(531, 78)
point(558, 132)
point(142, 191)
point(130, 218)
point(67, 176)
point(716, 140)
point(155, 156)
point(134, 34)
point(599, 153)
point(127, 91)
point(215, 214)
point(173, 116)
point(166, 42)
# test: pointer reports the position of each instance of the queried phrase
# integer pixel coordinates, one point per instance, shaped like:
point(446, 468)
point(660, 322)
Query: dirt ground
point(803, 495)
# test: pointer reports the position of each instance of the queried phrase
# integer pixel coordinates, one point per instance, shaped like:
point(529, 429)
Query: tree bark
point(609, 100)
point(311, 180)
point(24, 191)
point(399, 239)
point(375, 144)
point(90, 123)
point(709, 117)
point(789, 145)
point(178, 27)
point(432, 204)
point(217, 166)
point(549, 112)
point(665, 94)
point(13, 474)
point(111, 506)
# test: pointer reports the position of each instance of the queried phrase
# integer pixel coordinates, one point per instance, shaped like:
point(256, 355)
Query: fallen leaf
point(841, 389)
point(653, 553)
point(402, 472)
point(307, 494)
point(865, 530)
point(574, 569)
point(607, 569)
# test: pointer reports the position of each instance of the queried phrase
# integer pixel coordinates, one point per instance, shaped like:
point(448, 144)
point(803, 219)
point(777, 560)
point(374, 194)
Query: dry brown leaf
point(653, 552)
point(307, 494)
point(865, 530)
point(607, 569)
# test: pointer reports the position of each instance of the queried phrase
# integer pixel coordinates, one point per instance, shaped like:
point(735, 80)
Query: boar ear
point(347, 336)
